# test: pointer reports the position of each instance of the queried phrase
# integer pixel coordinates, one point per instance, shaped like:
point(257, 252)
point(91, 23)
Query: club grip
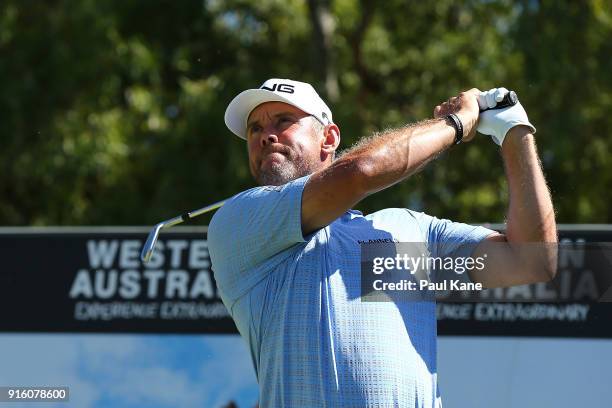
point(509, 100)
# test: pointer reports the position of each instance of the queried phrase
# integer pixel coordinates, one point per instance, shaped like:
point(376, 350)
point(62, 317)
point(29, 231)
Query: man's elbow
point(358, 173)
point(549, 271)
point(544, 269)
point(550, 253)
point(370, 175)
point(544, 259)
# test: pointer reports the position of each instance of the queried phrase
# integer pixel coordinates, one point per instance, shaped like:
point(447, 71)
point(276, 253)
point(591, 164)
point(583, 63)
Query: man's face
point(282, 142)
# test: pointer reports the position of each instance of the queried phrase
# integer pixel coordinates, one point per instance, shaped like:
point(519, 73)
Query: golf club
point(149, 246)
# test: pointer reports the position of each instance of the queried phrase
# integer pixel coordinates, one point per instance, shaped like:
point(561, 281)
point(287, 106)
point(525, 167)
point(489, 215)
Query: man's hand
point(497, 122)
point(465, 106)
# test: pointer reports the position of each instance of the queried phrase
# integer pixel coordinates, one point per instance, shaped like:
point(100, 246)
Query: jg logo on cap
point(299, 94)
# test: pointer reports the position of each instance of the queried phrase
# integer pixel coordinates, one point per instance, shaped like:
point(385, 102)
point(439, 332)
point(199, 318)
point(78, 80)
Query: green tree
point(111, 113)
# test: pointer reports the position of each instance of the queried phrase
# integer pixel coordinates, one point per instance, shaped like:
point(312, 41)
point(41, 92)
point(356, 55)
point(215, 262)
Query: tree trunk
point(324, 26)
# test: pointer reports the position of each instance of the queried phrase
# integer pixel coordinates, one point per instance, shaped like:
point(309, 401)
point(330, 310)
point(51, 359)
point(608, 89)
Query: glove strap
point(456, 123)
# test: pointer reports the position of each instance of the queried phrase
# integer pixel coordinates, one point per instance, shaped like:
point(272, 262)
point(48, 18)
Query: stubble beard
point(288, 170)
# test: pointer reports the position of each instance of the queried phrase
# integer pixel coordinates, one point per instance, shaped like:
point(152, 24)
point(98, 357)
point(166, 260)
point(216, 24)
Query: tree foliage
point(111, 112)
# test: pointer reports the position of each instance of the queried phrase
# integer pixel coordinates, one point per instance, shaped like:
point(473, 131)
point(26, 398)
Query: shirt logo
point(272, 188)
point(378, 241)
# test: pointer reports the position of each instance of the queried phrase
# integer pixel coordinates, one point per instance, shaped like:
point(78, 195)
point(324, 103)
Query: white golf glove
point(497, 122)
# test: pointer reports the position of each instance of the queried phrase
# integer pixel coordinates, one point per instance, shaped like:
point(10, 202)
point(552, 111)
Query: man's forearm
point(391, 156)
point(531, 217)
point(374, 164)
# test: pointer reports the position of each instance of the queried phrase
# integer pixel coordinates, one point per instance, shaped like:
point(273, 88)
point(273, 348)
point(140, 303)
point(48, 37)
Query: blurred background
point(111, 113)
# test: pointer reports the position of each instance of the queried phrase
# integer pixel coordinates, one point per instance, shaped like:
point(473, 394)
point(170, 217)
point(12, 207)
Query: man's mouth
point(273, 155)
point(272, 158)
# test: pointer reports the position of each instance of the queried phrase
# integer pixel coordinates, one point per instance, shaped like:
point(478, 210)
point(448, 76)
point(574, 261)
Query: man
point(286, 256)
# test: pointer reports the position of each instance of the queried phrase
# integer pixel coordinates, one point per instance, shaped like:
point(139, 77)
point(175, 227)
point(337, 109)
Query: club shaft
point(149, 246)
point(206, 209)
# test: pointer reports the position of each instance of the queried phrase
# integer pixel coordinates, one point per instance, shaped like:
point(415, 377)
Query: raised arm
point(381, 161)
point(527, 253)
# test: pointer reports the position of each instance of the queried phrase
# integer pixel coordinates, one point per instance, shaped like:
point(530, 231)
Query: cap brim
point(242, 105)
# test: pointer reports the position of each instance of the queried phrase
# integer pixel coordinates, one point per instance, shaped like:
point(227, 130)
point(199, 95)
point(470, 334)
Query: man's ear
point(331, 139)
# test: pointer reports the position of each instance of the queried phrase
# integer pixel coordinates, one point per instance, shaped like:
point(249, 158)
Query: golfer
point(286, 255)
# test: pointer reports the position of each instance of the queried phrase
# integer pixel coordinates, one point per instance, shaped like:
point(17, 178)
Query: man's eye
point(285, 121)
point(255, 128)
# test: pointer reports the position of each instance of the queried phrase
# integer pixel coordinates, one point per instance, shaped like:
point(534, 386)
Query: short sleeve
point(451, 239)
point(251, 229)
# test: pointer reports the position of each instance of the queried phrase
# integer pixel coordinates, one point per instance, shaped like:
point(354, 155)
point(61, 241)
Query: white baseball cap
point(299, 94)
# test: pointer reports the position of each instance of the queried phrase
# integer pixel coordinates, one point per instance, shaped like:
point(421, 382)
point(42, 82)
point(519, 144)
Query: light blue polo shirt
point(296, 301)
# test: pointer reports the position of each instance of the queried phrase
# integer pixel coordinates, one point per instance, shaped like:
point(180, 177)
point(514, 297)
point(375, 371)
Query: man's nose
point(268, 137)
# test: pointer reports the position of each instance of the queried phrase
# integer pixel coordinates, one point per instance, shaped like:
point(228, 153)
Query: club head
point(149, 246)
